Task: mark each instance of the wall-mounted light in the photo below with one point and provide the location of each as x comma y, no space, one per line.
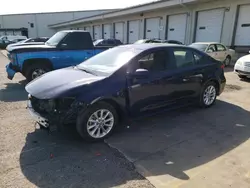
31,24
141,14
227,9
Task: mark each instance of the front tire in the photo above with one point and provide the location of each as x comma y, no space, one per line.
97,122
208,95
36,70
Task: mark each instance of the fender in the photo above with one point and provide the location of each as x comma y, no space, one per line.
118,103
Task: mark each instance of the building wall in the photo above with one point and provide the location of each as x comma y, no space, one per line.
228,28
42,20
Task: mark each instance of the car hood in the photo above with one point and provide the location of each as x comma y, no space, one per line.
10,47
31,48
56,83
245,58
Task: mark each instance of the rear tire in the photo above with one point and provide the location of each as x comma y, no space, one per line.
97,122
208,95
36,70
227,61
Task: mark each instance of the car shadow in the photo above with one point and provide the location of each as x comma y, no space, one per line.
181,140
245,80
62,159
13,92
229,68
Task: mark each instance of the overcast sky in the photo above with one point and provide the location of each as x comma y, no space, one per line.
31,6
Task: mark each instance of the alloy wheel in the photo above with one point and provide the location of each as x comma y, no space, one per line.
100,123
209,95
38,72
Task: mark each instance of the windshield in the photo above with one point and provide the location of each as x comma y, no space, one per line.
56,38
97,41
201,47
109,61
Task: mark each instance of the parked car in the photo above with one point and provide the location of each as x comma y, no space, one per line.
17,41
64,49
12,37
242,66
29,41
4,43
173,42
127,81
142,41
216,50
107,42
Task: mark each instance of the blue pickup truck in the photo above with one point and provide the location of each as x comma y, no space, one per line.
64,49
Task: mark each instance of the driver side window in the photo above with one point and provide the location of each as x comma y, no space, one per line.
155,61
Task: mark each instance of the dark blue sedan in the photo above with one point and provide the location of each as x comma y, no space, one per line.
124,82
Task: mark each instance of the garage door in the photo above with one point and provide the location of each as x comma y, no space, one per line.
134,31
153,28
177,27
242,36
88,29
107,31
209,25
97,32
119,31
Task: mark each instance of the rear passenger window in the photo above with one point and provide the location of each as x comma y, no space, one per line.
156,61
184,58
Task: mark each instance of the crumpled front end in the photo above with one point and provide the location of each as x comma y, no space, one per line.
53,114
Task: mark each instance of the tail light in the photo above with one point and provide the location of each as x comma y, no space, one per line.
222,66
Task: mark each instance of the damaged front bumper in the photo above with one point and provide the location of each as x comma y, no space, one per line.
37,117
56,119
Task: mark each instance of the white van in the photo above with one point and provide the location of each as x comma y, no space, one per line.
12,37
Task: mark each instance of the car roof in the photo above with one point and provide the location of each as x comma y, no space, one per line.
147,46
206,43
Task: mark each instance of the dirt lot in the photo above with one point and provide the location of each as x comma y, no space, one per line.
185,148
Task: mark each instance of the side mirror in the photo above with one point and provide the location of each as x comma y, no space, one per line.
139,73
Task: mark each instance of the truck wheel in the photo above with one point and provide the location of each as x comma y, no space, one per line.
36,70
97,122
227,61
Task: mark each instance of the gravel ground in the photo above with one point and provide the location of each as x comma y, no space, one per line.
31,157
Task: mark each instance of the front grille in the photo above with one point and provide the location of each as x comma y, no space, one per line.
247,64
43,106
51,105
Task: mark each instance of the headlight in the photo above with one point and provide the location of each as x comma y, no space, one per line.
12,58
239,62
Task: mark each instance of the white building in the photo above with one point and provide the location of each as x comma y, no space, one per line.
226,21
37,23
